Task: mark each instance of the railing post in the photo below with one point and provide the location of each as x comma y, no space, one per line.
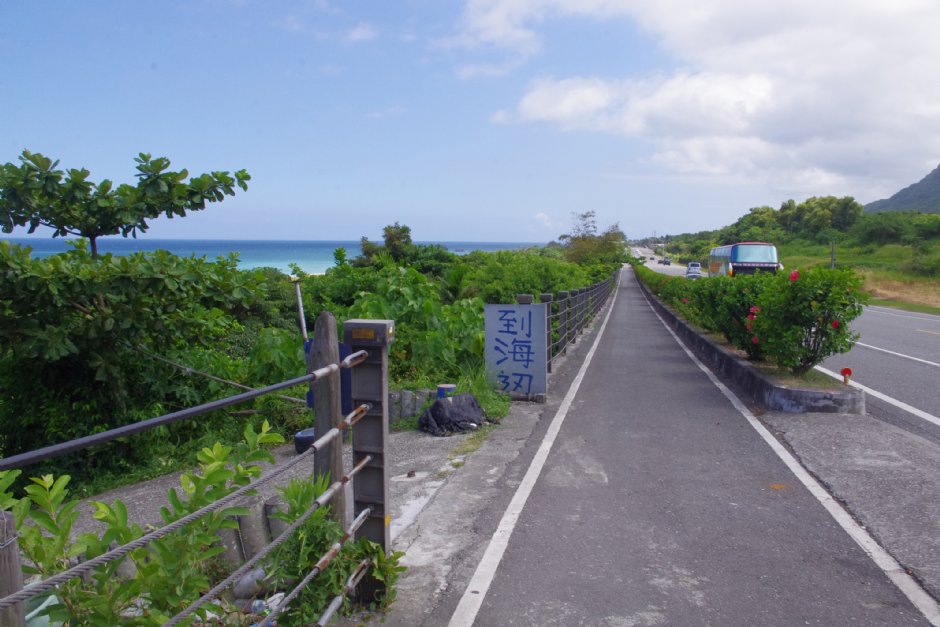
582,309
563,321
370,436
326,408
547,299
524,299
11,573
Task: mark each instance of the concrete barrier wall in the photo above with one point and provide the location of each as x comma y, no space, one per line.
758,386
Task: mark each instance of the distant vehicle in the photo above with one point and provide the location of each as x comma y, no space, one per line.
743,258
693,270
667,261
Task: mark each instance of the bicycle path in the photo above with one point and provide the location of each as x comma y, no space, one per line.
659,504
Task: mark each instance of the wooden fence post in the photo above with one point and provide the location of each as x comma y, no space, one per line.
11,573
326,407
547,299
563,321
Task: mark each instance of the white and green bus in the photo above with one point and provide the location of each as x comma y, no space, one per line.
743,258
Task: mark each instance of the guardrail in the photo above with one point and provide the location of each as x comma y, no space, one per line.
369,340
568,313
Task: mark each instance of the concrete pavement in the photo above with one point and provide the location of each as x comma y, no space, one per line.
659,504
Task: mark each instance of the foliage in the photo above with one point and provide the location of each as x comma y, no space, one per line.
37,194
169,574
584,246
499,276
294,559
71,327
431,336
398,249
797,319
804,316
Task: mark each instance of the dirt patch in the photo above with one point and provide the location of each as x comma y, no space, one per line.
921,292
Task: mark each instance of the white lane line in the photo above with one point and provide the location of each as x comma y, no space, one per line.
905,583
885,350
897,314
926,331
891,401
472,598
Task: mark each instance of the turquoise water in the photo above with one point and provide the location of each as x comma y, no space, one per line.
313,257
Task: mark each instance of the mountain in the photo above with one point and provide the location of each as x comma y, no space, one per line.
923,196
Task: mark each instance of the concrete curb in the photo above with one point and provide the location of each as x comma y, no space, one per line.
752,381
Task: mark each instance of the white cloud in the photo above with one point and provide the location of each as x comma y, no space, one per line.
360,32
544,220
814,96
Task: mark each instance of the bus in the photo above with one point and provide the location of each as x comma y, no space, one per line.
743,258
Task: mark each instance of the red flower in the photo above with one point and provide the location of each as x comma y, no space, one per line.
684,300
751,316
754,339
794,275
755,309
846,372
835,324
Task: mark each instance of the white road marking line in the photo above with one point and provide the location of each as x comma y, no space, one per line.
926,331
895,312
472,598
891,401
885,350
905,583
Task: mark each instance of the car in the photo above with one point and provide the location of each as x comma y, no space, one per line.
693,266
667,261
693,275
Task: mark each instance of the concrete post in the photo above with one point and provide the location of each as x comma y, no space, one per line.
326,407
370,436
524,299
547,299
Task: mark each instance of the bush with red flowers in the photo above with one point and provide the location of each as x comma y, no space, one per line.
804,316
796,320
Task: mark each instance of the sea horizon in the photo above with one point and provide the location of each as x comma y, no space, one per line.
311,256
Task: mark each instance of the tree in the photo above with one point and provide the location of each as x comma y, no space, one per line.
36,194
397,240
583,245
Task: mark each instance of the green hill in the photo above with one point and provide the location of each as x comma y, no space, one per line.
923,196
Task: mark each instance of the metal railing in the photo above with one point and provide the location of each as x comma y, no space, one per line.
369,340
569,313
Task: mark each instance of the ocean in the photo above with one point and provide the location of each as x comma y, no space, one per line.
313,257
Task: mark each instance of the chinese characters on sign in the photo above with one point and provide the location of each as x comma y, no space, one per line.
516,351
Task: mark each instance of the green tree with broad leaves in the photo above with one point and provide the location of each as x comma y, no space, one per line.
36,193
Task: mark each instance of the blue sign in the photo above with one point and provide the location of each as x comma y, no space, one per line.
516,348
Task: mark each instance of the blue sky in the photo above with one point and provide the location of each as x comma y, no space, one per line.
487,120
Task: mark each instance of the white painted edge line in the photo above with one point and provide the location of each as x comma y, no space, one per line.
473,596
905,583
902,314
885,350
920,413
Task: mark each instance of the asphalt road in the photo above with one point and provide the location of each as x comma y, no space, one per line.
660,504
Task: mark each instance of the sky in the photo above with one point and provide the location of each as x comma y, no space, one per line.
480,120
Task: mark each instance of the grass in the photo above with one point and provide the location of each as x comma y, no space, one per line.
882,269
472,442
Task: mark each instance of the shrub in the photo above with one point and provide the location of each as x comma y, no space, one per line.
805,315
